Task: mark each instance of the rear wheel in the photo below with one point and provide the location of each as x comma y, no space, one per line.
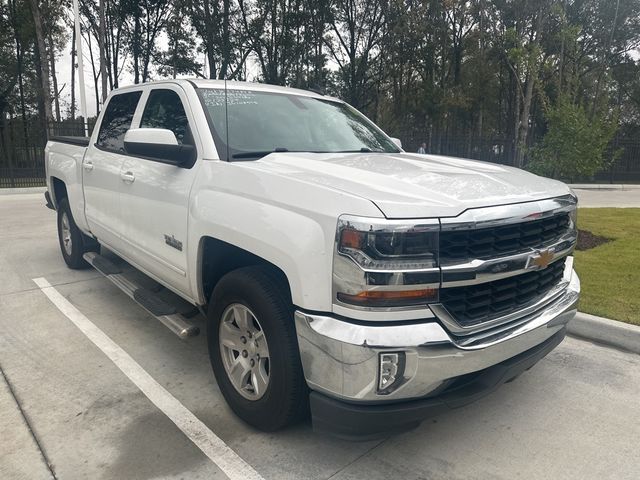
253,348
73,243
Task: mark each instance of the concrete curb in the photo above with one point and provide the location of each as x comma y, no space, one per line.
604,186
607,332
14,191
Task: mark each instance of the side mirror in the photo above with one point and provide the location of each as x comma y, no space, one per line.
397,141
158,144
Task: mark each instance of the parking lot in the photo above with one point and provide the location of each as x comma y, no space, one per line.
68,411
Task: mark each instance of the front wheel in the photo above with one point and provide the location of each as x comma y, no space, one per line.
73,243
253,348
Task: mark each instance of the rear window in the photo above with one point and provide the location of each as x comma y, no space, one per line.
117,120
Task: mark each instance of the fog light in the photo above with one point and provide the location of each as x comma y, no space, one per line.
390,372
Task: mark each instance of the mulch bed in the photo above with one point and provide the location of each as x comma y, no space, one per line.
587,240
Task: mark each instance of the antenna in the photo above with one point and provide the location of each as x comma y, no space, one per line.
226,115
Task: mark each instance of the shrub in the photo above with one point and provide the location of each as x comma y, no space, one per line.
575,143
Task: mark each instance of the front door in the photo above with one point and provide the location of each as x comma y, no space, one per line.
155,199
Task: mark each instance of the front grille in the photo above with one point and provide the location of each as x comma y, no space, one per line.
475,304
501,241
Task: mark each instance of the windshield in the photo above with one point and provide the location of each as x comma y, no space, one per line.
264,122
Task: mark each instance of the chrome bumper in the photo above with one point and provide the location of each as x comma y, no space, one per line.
341,359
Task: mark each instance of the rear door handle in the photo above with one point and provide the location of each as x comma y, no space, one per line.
88,166
127,177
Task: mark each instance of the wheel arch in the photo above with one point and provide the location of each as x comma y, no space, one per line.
216,258
59,191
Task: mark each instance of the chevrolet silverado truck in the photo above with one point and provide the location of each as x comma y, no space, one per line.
338,275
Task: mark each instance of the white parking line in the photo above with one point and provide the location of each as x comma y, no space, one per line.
211,445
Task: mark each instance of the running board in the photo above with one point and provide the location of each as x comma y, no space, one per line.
147,299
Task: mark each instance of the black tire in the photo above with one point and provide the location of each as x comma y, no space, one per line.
79,243
264,291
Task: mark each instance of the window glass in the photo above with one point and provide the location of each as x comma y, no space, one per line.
117,120
165,110
256,123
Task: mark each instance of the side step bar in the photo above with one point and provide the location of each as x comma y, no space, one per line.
157,307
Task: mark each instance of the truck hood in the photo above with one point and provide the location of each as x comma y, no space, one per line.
408,185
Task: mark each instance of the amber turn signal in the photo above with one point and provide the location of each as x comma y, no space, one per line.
389,298
352,239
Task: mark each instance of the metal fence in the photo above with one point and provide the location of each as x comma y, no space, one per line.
22,151
625,169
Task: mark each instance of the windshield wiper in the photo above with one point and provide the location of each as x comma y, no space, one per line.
259,153
362,150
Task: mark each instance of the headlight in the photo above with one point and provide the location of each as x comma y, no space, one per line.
385,263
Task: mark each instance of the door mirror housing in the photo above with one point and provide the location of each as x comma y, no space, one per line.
158,144
397,142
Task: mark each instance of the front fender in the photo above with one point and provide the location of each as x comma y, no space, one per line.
300,246
287,223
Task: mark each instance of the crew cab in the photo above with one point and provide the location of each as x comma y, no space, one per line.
338,274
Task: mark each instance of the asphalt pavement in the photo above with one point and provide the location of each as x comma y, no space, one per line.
67,411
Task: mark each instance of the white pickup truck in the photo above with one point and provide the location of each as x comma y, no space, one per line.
338,274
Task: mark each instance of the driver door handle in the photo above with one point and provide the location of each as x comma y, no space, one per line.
127,177
88,166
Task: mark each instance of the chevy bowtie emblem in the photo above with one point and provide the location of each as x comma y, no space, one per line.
541,260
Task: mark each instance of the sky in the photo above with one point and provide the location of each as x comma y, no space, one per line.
63,70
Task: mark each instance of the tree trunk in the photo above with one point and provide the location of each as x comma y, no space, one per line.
522,130
114,48
42,116
226,49
72,108
605,62
108,21
523,124
20,66
95,73
102,46
54,78
44,87
136,48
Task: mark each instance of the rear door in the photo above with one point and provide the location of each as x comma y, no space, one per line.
102,167
155,202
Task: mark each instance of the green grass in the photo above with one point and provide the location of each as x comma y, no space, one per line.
610,273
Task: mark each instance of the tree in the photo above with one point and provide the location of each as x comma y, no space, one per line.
269,26
102,45
357,27
42,61
117,16
575,144
149,18
214,21
179,57
523,56
478,78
